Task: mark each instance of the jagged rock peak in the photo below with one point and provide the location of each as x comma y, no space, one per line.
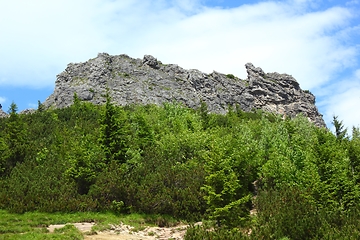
148,80
253,71
151,61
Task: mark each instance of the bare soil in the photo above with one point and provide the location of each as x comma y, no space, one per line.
123,231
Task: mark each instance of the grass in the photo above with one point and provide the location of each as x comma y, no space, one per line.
33,225
67,232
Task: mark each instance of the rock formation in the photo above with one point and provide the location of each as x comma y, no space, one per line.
25,111
147,80
28,111
3,114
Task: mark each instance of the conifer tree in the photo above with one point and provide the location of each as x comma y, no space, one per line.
113,132
15,139
203,110
223,191
3,157
41,107
340,132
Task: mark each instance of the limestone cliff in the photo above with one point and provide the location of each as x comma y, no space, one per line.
147,80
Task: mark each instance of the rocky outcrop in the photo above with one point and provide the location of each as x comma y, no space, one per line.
28,111
25,111
3,114
147,80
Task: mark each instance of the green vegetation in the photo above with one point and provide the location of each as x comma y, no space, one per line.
188,164
33,225
120,74
231,76
246,82
165,88
76,81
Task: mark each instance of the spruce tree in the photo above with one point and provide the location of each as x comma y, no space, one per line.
113,132
340,132
15,138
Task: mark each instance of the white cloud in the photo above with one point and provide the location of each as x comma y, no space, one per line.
352,2
43,36
33,105
269,35
357,74
2,100
39,35
344,102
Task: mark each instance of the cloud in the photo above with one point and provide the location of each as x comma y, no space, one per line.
2,100
352,2
344,101
267,34
33,105
42,37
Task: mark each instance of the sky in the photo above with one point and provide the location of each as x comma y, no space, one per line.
315,41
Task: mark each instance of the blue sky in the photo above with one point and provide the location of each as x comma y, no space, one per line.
316,41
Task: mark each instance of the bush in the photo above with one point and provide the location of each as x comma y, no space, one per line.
292,213
231,76
202,233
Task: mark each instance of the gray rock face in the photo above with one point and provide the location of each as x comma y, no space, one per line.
28,111
148,81
3,114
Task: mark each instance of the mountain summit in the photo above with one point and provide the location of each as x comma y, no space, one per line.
149,81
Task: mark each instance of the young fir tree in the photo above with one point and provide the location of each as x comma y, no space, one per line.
15,139
113,132
41,107
227,204
340,132
3,157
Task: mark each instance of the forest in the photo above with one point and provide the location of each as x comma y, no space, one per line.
246,175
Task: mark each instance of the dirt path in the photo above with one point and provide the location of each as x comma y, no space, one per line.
111,236
83,227
123,231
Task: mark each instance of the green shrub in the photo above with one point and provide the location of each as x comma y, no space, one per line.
231,76
202,233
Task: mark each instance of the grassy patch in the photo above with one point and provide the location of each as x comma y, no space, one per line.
67,232
33,225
